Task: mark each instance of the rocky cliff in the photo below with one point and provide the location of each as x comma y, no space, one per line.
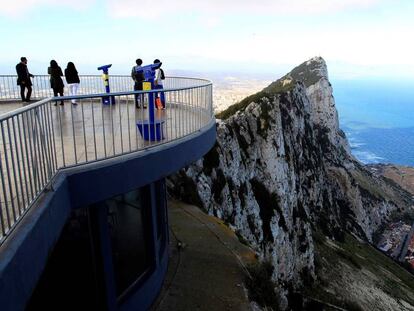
281,173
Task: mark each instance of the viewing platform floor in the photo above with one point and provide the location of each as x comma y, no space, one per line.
65,135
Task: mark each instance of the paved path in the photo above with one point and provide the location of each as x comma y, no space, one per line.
206,273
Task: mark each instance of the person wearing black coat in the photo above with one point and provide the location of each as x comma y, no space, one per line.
72,78
56,82
23,79
138,79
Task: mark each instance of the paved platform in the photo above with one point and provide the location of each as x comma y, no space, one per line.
7,106
39,142
206,269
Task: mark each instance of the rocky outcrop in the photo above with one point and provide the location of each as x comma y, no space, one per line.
281,170
314,75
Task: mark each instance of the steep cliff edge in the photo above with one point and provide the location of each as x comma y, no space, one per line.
281,172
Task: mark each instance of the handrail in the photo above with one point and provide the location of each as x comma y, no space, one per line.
38,140
89,84
9,114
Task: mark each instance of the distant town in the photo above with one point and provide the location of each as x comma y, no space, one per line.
397,241
230,90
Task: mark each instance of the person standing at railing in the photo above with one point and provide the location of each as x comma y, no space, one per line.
138,79
56,82
158,82
72,78
23,79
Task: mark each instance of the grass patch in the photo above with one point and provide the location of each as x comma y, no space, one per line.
269,92
393,279
407,216
241,106
322,300
308,73
367,187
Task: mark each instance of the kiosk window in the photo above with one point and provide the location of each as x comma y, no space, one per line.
127,218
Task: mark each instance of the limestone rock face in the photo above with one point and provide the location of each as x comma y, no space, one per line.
281,168
314,73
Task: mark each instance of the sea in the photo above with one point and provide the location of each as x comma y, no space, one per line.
377,117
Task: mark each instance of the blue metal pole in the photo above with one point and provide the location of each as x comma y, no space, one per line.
150,129
151,104
105,76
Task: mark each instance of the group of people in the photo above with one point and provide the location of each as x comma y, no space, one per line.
139,79
56,82
73,81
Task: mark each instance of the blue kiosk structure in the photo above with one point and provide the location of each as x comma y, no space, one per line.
151,129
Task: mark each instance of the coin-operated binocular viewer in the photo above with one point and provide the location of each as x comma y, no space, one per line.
151,129
107,100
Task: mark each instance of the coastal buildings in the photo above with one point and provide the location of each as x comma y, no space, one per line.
397,241
230,90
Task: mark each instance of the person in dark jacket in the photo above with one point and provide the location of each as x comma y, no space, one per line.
72,78
23,79
138,79
56,82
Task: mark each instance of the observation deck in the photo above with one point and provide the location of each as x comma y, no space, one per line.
60,162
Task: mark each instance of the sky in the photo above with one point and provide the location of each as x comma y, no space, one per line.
357,38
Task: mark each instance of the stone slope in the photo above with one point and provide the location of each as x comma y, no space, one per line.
355,276
281,169
402,175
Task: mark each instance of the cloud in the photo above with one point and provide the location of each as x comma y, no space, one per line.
353,49
16,8
152,9
149,9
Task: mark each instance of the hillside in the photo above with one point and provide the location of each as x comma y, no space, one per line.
282,177
402,175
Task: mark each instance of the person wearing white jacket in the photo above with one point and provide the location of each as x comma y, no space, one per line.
158,82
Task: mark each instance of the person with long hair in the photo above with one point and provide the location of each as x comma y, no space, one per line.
56,82
72,78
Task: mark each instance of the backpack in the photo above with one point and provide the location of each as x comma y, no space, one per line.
137,76
162,74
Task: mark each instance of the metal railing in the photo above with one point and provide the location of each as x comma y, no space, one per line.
38,140
89,84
